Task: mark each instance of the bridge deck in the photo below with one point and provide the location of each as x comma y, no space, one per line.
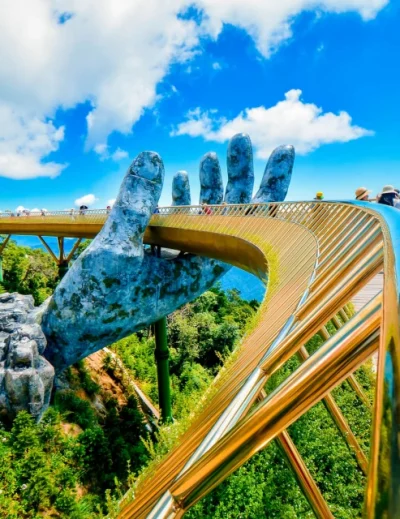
316,256
368,292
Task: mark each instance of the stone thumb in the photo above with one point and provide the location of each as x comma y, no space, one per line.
137,199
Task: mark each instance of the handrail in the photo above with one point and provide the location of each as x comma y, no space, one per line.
316,256
233,437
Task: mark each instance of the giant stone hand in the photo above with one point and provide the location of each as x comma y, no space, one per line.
114,288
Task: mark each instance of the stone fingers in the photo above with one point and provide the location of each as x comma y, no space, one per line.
181,189
137,199
277,176
240,170
212,189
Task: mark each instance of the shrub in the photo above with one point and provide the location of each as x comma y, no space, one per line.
76,409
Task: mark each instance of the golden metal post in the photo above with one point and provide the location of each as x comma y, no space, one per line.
313,257
303,476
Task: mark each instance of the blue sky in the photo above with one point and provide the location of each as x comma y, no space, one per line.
85,95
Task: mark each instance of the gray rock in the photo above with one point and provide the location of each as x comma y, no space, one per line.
20,354
3,337
31,331
26,378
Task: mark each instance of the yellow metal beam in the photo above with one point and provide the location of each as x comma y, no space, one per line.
314,258
4,243
49,249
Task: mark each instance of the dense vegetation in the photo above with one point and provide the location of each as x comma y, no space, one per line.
200,336
28,271
88,448
265,485
53,469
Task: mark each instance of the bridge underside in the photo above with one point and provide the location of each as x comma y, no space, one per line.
314,257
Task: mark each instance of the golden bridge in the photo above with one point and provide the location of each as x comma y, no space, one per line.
314,257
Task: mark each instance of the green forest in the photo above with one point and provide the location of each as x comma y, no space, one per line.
93,443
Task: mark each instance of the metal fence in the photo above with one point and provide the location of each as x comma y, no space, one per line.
317,256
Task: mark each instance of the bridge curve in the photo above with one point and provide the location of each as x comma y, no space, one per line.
317,256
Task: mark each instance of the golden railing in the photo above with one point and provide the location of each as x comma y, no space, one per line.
314,258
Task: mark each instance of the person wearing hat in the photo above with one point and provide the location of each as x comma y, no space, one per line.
388,196
319,195
362,193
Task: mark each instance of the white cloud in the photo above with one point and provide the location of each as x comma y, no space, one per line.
291,121
119,154
113,54
101,149
104,152
86,200
216,65
24,141
111,202
269,22
21,208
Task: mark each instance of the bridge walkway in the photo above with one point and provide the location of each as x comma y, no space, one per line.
368,292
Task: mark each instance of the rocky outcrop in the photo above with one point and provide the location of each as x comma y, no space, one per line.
26,377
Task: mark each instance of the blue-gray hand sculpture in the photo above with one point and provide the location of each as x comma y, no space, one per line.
114,288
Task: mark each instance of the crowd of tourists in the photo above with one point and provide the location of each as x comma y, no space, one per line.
43,212
388,196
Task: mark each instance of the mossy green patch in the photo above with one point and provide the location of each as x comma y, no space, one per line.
109,282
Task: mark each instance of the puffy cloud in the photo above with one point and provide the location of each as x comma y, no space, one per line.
24,140
104,152
111,202
290,121
119,154
269,22
112,54
86,200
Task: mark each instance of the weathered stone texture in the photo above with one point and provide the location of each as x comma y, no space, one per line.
181,189
241,170
26,378
277,175
212,188
114,289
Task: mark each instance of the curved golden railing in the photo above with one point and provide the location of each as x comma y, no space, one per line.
316,256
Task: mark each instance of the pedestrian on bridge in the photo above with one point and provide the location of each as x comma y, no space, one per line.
388,196
362,193
206,209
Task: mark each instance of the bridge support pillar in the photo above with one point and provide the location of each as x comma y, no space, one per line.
162,358
62,268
